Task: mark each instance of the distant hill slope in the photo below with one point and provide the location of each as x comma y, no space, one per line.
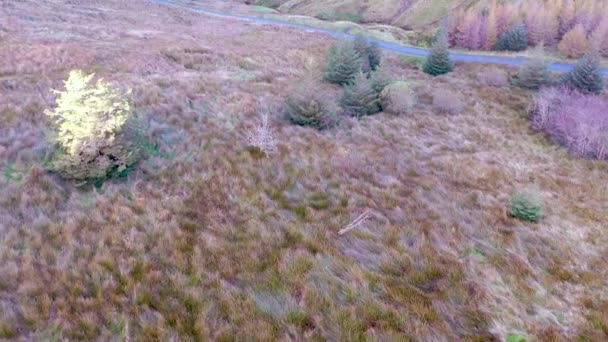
414,14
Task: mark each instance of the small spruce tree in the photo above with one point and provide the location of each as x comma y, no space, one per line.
534,73
343,64
374,55
438,61
359,99
96,133
587,75
306,105
516,39
371,55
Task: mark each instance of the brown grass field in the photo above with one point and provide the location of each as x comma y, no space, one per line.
209,240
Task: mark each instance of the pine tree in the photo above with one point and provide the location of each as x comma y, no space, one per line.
307,105
360,44
343,65
370,53
516,39
95,130
359,99
534,73
587,75
374,54
438,61
574,44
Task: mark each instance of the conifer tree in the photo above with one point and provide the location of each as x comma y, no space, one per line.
359,98
370,53
374,54
587,75
344,63
516,39
438,61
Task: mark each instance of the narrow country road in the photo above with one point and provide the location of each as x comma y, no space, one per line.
392,47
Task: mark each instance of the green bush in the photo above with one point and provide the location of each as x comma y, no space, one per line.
359,99
343,63
398,98
306,105
96,133
516,39
587,75
438,61
526,206
371,55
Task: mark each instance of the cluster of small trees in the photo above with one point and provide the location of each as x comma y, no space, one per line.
572,26
585,77
356,67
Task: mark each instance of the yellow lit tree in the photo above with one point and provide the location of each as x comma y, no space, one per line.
94,128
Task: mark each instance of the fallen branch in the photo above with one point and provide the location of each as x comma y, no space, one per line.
355,223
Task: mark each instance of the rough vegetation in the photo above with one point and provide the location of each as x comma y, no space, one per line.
209,239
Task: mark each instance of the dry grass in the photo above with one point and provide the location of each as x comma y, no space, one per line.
207,240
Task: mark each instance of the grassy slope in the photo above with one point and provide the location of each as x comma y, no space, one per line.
206,240
419,14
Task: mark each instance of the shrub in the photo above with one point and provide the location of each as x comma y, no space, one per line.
370,53
343,64
574,44
382,77
574,120
95,129
438,61
516,39
526,206
398,98
263,137
493,77
359,99
307,106
587,75
534,72
447,102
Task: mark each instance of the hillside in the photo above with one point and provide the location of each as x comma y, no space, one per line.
208,238
407,14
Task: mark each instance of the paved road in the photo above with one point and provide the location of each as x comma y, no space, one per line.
399,49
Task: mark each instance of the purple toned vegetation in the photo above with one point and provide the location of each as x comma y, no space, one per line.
577,121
